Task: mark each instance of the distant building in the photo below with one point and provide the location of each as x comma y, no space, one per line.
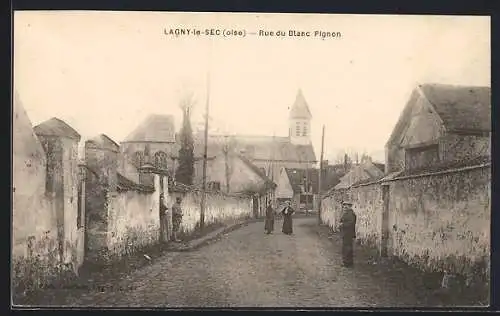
301,186
155,141
441,124
271,153
366,171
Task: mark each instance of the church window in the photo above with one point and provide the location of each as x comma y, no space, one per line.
304,130
160,160
138,159
297,129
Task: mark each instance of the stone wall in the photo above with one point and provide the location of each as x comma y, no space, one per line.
368,206
47,242
220,209
331,209
34,223
120,220
133,221
436,222
442,221
462,147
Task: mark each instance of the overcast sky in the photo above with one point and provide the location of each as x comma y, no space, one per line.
103,72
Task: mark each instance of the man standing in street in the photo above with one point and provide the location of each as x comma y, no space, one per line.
348,232
176,218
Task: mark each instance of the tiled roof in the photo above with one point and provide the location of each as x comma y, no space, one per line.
56,127
104,142
461,107
300,109
125,184
155,128
256,147
359,173
268,183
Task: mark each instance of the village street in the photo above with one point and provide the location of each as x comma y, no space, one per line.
247,268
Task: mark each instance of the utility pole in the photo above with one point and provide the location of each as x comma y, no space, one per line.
205,153
320,173
205,150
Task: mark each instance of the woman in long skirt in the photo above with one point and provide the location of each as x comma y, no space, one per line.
269,225
287,219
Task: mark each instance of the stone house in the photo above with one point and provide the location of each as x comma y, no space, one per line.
47,232
364,172
432,209
440,124
154,142
233,173
299,186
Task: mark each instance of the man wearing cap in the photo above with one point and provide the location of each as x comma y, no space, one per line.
348,232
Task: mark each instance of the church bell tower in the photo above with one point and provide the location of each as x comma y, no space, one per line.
299,119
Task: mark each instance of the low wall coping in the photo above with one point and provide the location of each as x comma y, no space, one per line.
454,170
421,175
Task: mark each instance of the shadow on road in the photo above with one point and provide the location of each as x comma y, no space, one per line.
425,286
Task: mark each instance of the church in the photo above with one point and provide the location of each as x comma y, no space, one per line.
155,141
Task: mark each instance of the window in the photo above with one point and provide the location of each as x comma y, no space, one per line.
304,130
138,159
297,129
421,157
160,159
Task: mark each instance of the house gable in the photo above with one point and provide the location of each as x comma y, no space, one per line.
284,189
423,125
244,178
241,174
360,174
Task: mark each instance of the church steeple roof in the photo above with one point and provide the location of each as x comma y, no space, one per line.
300,109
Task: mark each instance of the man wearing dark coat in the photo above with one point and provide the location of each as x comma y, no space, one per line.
348,232
269,224
287,219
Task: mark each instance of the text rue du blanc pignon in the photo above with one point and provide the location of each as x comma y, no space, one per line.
223,32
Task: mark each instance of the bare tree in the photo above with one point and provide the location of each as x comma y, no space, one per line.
185,169
187,102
